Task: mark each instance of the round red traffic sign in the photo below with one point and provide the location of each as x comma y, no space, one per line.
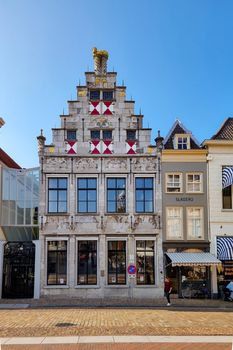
132,269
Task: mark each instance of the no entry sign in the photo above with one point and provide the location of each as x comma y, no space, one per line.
132,269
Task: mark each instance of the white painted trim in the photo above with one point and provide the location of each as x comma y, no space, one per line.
54,176
37,270
61,238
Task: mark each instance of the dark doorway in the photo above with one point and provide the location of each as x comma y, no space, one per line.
18,270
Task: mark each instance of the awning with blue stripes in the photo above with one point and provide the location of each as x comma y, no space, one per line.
225,248
227,176
193,259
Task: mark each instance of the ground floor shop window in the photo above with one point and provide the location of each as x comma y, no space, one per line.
57,263
190,281
194,282
87,262
145,262
116,262
225,275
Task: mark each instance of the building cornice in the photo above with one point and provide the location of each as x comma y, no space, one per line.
218,143
190,155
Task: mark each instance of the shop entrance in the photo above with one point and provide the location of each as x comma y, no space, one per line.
190,281
18,270
194,282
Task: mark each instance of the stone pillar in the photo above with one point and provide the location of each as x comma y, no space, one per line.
214,283
41,143
102,263
131,261
71,262
37,269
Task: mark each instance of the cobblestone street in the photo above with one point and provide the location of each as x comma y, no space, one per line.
118,321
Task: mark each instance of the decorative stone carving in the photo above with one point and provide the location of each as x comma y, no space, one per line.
150,164
86,219
141,220
100,61
100,122
144,164
85,164
57,164
116,224
58,223
115,164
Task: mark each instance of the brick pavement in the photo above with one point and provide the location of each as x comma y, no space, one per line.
94,322
144,346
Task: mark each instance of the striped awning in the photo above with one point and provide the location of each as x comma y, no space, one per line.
193,259
225,248
227,176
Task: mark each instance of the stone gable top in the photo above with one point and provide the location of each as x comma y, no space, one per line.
179,128
225,132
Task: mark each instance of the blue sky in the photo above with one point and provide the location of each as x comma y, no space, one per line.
175,57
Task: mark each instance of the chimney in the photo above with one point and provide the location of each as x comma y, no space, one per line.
100,61
159,141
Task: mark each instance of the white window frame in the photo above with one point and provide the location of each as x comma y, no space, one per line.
170,236
86,176
173,183
56,176
193,182
138,176
182,136
113,176
191,223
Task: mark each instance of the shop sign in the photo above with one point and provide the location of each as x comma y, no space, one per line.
228,270
184,199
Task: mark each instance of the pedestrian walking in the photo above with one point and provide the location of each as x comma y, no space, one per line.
167,290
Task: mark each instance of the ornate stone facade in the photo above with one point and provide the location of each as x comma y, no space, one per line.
100,200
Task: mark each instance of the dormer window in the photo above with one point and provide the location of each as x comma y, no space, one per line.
182,141
131,135
95,95
108,95
71,135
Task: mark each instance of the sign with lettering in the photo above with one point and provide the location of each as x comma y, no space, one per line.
228,270
184,199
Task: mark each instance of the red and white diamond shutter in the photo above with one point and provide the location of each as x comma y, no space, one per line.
107,147
131,147
71,147
95,108
107,108
95,147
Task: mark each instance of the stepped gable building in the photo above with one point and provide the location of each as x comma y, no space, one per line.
100,199
220,178
185,214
